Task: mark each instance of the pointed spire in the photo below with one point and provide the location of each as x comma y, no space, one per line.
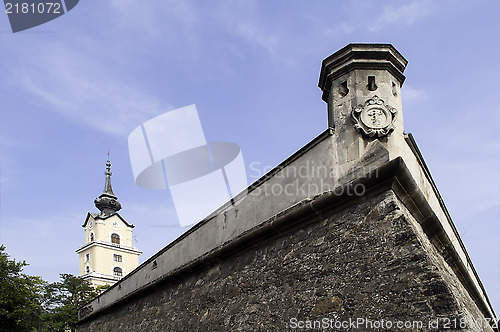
107,184
107,203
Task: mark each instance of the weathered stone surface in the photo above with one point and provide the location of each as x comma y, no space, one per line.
370,260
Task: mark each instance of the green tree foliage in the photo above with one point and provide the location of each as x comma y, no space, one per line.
102,288
20,296
28,303
63,299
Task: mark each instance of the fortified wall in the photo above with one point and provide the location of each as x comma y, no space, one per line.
349,233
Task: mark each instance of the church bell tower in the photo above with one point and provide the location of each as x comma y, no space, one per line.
108,253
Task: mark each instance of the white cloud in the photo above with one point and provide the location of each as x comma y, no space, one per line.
341,29
243,19
413,97
152,17
406,14
253,32
84,90
181,21
33,239
411,94
153,214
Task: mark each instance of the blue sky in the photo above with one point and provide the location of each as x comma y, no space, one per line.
74,88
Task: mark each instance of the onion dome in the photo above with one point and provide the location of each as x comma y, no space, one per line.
107,203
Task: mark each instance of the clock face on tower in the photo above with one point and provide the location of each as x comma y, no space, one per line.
91,224
115,224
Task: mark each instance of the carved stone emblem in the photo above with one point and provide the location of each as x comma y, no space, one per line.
374,118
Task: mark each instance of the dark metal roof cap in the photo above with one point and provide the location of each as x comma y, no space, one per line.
107,203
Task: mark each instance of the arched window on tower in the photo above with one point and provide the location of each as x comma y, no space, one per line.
115,238
91,237
87,269
117,272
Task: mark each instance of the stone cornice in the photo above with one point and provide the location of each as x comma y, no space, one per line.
109,245
361,56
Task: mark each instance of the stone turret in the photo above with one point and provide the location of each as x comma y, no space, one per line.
361,84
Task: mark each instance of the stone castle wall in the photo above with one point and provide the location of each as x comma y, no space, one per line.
366,261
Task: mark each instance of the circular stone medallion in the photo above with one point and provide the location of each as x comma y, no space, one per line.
375,117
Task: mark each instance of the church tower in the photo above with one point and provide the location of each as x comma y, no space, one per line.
108,253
